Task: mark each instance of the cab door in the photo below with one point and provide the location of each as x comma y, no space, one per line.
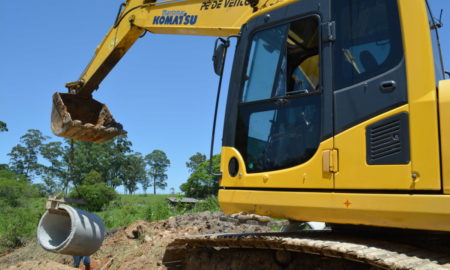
371,114
279,121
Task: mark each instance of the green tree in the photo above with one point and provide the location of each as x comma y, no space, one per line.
158,163
92,178
195,161
96,195
57,174
118,160
72,162
14,189
84,157
201,183
108,159
3,126
24,156
8,174
49,186
133,172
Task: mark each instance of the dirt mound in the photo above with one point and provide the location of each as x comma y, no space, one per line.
138,246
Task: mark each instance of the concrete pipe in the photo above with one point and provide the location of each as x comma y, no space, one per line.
71,231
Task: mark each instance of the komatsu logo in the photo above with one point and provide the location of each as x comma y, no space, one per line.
175,17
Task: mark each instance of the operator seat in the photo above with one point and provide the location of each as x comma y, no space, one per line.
368,61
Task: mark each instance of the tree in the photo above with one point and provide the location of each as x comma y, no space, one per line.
107,158
14,189
84,157
158,163
137,170
112,162
24,156
3,127
8,174
96,195
133,172
201,183
50,186
117,152
195,161
57,174
4,167
92,178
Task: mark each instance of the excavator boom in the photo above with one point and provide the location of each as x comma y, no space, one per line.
78,116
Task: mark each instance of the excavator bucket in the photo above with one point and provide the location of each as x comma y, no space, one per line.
83,119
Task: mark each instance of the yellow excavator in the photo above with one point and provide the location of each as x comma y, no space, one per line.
337,112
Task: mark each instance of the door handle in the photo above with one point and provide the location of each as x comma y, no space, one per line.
388,86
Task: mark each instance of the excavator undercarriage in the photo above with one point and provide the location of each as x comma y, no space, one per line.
310,250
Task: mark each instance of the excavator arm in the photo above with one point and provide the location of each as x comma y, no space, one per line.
77,115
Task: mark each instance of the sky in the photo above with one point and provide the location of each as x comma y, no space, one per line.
163,90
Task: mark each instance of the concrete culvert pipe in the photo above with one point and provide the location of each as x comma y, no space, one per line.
70,231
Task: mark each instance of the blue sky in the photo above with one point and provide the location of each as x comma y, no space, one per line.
163,91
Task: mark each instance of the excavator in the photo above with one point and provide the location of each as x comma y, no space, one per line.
338,111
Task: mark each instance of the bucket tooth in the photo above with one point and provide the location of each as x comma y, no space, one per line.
83,119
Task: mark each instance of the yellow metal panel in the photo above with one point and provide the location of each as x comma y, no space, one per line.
202,17
307,175
421,93
387,210
444,117
355,173
194,19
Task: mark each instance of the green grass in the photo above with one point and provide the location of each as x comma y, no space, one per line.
129,208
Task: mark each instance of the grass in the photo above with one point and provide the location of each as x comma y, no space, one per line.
129,208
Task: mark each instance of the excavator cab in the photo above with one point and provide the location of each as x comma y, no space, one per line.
83,118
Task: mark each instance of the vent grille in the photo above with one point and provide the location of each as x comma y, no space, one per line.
388,141
385,140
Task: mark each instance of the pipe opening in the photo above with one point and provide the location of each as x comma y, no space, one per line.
54,229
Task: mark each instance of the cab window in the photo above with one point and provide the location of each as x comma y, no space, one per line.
368,40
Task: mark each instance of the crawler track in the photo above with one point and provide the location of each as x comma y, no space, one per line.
305,250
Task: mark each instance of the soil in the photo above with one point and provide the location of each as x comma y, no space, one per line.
138,246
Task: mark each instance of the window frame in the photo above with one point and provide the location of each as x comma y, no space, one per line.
247,57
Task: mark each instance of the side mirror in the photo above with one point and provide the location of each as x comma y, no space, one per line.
220,52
